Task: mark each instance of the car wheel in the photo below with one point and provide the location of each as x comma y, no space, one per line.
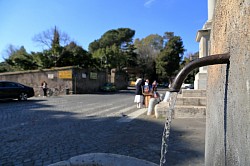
23,96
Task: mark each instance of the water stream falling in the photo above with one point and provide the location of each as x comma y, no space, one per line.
166,132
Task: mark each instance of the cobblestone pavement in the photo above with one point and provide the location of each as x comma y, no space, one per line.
44,131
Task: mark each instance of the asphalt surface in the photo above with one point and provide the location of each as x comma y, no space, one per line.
44,134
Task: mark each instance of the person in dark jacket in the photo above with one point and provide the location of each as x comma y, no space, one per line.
138,93
44,87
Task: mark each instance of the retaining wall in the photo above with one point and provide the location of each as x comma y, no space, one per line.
80,81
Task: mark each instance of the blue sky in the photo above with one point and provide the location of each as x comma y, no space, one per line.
87,20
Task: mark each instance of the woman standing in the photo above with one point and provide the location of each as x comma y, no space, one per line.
44,87
138,93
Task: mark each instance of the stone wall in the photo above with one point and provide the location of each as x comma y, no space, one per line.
80,82
82,85
34,78
228,89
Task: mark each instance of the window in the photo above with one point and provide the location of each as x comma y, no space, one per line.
10,84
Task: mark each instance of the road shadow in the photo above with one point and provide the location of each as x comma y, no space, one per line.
186,142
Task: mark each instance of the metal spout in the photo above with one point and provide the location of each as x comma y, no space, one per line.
205,61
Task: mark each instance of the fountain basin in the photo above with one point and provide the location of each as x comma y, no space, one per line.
103,159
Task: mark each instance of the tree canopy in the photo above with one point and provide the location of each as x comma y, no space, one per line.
168,61
56,55
157,57
119,37
21,60
148,49
189,57
114,48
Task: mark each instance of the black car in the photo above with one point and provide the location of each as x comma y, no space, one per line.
14,90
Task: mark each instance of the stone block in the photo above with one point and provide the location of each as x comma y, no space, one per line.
161,109
190,112
193,93
195,101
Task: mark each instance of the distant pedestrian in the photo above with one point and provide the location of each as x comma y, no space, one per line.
146,87
146,90
44,86
154,86
138,93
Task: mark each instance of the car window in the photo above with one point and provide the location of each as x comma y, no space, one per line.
1,84
19,85
10,84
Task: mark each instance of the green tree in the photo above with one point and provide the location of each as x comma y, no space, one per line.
53,42
148,49
131,56
168,61
74,55
43,59
187,59
4,67
21,60
56,48
119,37
56,55
59,55
113,48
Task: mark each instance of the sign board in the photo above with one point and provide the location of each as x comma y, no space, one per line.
50,76
84,75
66,74
93,75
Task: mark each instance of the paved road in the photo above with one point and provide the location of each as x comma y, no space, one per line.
42,131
